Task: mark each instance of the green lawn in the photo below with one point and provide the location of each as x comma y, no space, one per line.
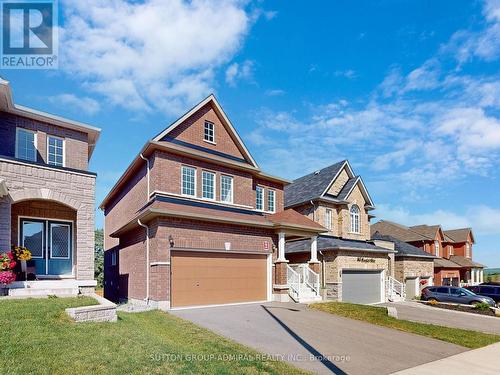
378,316
38,337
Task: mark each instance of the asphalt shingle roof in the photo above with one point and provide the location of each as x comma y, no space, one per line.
311,186
403,248
465,262
398,231
347,188
457,235
445,263
333,243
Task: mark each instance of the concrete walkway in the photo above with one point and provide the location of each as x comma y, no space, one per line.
484,361
418,312
320,342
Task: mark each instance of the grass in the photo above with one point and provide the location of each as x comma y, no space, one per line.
378,316
38,337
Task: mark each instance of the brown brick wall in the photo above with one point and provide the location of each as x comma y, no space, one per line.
408,267
440,274
192,131
76,142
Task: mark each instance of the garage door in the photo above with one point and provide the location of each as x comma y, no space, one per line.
361,286
217,278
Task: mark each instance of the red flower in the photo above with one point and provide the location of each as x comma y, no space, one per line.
10,255
12,264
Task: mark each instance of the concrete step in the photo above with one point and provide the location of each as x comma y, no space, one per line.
43,292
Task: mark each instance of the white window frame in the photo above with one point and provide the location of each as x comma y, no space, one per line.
436,248
222,177
450,251
35,143
63,150
182,181
467,250
273,194
355,218
262,192
50,225
328,218
214,186
205,132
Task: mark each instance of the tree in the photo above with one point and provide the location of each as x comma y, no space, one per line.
99,258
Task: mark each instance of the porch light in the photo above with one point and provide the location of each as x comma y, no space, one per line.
171,241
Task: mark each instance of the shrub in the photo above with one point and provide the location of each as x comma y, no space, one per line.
7,277
481,306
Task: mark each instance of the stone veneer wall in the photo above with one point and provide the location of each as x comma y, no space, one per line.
74,189
409,267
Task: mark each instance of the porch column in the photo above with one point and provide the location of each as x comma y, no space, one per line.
5,229
281,247
481,276
472,276
314,263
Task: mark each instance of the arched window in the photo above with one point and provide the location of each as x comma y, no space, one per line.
355,224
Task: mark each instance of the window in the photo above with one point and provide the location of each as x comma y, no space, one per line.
443,290
226,189
271,198
328,219
189,181
436,248
25,144
355,227
113,257
208,185
450,251
259,198
467,250
209,132
55,151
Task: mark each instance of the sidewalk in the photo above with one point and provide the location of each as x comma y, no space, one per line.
417,312
482,361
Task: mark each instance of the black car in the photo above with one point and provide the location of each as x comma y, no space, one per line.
488,290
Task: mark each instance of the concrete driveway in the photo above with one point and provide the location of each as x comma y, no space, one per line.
317,341
418,312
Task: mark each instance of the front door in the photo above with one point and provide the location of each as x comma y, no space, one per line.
50,243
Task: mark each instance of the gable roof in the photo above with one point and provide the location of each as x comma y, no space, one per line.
465,262
458,235
224,119
427,230
315,185
326,242
398,231
403,248
7,104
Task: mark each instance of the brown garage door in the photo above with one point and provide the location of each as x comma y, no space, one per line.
216,278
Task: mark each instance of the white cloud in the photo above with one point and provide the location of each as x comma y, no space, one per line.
482,219
239,72
84,104
349,73
151,54
275,92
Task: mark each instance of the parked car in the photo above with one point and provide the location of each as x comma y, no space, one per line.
488,290
454,294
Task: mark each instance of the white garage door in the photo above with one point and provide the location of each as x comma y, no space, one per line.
362,286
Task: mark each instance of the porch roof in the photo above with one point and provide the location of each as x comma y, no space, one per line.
334,243
465,262
445,263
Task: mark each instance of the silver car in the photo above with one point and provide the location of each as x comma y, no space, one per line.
455,295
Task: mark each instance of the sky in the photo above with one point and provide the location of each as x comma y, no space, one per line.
408,91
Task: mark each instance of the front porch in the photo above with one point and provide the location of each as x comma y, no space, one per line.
45,288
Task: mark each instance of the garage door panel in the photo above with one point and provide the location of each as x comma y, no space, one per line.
213,278
361,286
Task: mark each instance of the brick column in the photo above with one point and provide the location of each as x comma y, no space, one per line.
280,287
5,229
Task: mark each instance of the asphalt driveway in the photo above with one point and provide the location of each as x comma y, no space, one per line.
418,312
320,342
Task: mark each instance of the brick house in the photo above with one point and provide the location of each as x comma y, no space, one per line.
453,249
47,193
194,221
353,268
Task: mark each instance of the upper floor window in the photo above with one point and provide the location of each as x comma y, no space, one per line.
189,181
450,251
226,189
55,151
467,250
209,132
26,144
113,257
208,185
436,248
328,219
355,224
271,201
259,198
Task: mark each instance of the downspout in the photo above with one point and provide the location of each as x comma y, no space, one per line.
147,164
147,259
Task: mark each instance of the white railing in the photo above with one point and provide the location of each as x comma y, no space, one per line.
395,289
310,278
293,281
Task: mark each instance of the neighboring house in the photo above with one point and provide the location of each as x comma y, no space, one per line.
194,220
47,192
413,266
352,267
453,247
